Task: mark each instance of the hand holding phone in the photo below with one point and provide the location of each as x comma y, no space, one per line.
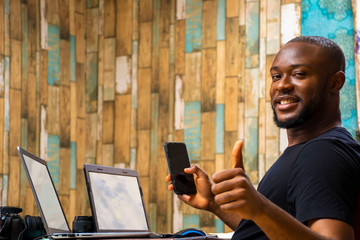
178,159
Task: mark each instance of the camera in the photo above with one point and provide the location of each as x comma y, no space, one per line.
13,227
83,224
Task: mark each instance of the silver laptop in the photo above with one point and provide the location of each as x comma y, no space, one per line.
50,207
116,199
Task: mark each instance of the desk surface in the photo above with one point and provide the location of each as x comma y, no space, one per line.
188,238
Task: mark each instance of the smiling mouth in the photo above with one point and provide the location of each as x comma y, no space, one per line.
287,101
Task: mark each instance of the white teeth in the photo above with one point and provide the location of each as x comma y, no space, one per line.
286,101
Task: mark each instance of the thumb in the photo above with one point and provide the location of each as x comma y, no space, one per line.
237,155
195,169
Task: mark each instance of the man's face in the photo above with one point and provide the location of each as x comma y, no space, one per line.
298,89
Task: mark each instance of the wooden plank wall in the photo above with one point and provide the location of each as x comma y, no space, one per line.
108,81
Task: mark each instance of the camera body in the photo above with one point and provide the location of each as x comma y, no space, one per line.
13,227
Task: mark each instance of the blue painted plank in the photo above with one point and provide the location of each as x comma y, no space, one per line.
219,226
53,55
220,23
73,165
72,58
252,35
193,25
7,6
219,128
54,158
192,132
191,221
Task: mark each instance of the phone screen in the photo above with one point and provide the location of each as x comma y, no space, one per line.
178,159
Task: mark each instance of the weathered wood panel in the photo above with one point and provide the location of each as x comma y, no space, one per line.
109,69
209,24
108,122
65,122
208,80
122,129
15,64
145,44
144,99
123,27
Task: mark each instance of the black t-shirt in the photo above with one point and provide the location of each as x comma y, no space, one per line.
312,180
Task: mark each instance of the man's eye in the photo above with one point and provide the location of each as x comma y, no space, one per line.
299,74
276,77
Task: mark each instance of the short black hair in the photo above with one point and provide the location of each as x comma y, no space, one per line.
333,50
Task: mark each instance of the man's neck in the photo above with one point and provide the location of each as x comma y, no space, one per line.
306,131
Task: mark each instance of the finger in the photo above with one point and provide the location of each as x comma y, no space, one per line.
184,197
237,160
170,187
168,178
229,182
227,174
230,196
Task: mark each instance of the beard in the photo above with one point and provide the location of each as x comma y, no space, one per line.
296,121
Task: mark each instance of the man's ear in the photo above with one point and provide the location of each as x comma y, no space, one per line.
337,81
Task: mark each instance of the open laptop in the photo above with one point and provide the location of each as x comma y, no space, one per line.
116,199
52,212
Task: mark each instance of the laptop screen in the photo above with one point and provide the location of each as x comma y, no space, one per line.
46,194
117,202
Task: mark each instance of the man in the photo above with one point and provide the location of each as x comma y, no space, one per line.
310,192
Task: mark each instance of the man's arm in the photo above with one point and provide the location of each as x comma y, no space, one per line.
235,193
278,224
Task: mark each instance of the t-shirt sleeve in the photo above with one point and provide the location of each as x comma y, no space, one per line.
321,184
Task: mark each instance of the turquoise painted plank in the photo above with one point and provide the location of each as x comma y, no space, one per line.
336,23
219,128
73,165
54,158
191,221
220,23
24,43
251,143
91,82
192,132
4,189
219,226
53,55
193,25
7,94
7,6
24,133
252,35
154,128
72,58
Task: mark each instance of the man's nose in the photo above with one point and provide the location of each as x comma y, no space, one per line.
285,84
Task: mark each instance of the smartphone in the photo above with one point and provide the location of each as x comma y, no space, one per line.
178,159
